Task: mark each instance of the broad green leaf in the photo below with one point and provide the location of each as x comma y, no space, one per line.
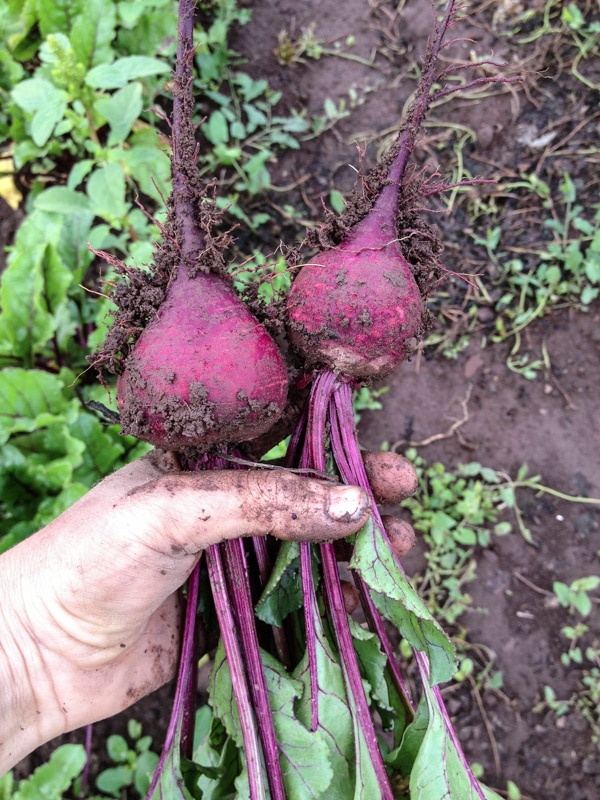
103,448
45,102
335,722
55,16
121,110
93,32
34,285
117,748
304,754
60,200
53,779
80,170
106,190
124,70
216,129
51,506
34,93
113,780
283,592
72,246
216,765
47,459
398,601
149,21
146,764
147,164
44,121
439,770
372,661
366,783
305,764
403,757
220,692
29,399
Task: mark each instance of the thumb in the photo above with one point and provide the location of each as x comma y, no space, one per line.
199,509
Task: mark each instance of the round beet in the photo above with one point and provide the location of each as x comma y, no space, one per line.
203,373
356,308
401,535
392,477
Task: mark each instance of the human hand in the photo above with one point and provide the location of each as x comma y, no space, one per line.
90,603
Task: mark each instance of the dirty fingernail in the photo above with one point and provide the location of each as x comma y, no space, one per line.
347,503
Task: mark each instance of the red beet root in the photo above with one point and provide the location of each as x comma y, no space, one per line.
203,373
355,307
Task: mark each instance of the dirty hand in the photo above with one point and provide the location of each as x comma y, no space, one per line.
90,613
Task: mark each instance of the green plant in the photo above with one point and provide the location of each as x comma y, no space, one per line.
575,596
585,699
52,780
245,135
134,763
76,90
575,34
367,399
456,512
565,272
307,45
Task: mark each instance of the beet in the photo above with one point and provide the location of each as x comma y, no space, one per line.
356,308
204,372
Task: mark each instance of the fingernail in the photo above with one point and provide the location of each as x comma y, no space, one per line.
347,503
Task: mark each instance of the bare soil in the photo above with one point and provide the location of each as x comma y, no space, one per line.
550,423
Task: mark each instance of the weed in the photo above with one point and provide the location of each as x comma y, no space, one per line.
52,780
367,399
574,596
566,272
456,512
585,699
134,763
573,32
245,136
296,50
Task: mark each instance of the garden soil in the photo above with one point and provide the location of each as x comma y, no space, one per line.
472,406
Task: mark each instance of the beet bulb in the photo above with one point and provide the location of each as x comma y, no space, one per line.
356,308
204,372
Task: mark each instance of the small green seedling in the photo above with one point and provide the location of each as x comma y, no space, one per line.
134,763
575,596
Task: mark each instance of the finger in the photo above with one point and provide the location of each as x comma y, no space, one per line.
196,510
401,535
391,476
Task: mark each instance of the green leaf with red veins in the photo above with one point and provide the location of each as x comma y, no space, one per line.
334,722
283,592
439,771
397,600
305,762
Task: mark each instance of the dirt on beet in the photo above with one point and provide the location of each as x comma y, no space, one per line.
471,407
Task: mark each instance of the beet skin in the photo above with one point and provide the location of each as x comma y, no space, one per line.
356,308
205,372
